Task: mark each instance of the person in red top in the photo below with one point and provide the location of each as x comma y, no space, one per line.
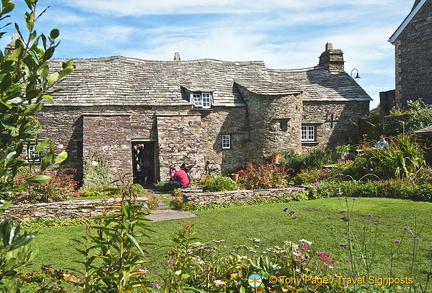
179,178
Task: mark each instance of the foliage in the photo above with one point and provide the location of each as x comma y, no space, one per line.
61,187
254,175
314,159
343,148
402,159
96,172
137,190
162,186
219,183
197,267
118,245
15,253
25,83
416,116
177,201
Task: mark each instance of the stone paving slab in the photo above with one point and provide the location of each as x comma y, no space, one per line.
168,214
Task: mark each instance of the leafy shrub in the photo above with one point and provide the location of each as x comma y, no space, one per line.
314,159
95,192
253,175
177,201
162,186
96,172
345,148
403,159
136,190
368,189
219,183
61,187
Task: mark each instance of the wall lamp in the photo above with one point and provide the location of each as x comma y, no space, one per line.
357,75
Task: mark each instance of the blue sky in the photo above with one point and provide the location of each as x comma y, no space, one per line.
282,33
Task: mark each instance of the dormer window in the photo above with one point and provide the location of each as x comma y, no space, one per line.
202,100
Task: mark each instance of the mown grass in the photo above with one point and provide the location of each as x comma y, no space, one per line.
376,224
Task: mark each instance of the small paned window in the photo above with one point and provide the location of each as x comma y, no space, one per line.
202,100
31,155
226,141
308,133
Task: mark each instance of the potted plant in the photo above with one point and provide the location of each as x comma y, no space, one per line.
275,158
343,152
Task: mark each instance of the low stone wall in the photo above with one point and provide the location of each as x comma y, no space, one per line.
66,209
191,196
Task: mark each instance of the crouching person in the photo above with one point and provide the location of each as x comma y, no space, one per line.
179,179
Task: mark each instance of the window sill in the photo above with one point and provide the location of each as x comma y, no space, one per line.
309,142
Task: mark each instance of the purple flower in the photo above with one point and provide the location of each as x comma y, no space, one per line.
339,193
375,223
292,212
304,246
342,211
354,198
344,218
370,215
294,217
170,260
343,245
285,209
144,271
397,241
156,286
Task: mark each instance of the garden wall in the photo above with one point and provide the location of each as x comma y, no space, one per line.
66,209
191,196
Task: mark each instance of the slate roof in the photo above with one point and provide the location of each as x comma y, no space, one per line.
130,81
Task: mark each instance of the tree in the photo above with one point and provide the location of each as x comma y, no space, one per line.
25,83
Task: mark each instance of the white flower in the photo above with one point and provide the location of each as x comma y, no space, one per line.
219,283
94,163
305,241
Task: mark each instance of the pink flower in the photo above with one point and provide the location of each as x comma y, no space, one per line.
170,260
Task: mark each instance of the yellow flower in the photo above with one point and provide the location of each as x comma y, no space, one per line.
233,276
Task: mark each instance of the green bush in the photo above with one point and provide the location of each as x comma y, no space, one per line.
314,159
96,172
219,183
62,186
403,159
255,175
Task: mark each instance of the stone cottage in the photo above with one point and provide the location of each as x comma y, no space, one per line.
211,113
413,47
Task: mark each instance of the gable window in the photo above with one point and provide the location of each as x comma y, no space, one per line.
202,100
308,133
226,141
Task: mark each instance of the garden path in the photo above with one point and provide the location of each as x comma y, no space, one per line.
165,213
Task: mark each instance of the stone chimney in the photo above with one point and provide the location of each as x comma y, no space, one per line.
177,56
11,46
332,59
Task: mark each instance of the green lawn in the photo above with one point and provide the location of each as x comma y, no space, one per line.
376,224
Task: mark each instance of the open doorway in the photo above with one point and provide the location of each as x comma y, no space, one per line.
143,162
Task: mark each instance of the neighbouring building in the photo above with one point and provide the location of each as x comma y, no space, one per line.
413,58
211,113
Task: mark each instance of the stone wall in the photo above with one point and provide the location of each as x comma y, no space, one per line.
205,198
66,209
336,122
414,59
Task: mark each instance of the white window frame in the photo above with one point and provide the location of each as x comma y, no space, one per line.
226,141
31,156
308,133
202,100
